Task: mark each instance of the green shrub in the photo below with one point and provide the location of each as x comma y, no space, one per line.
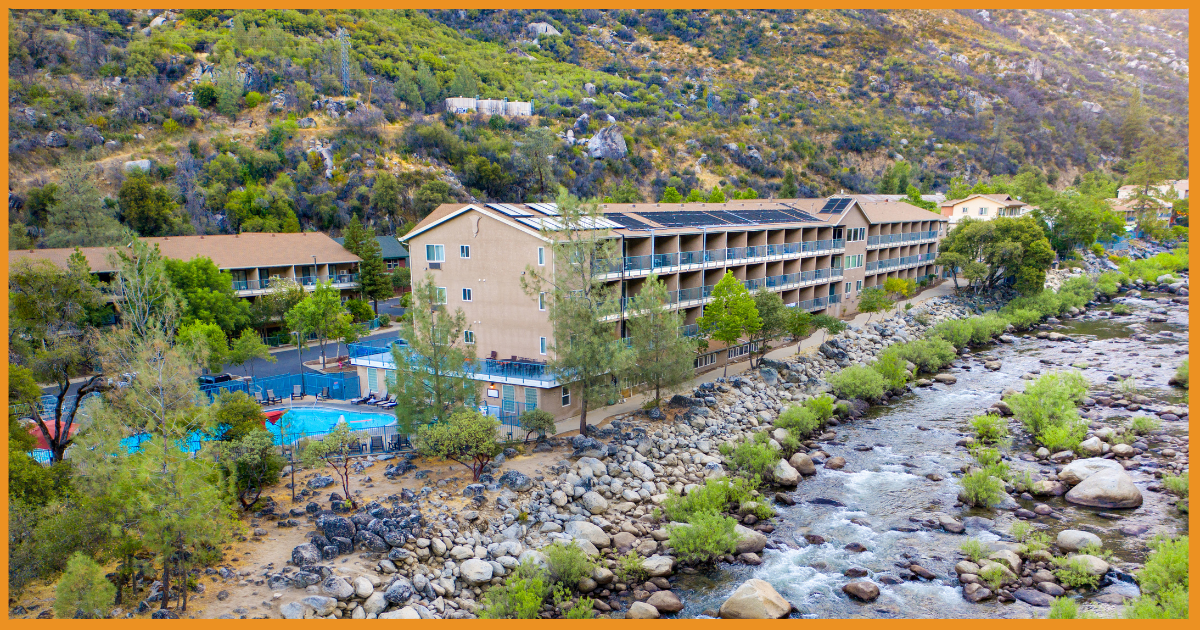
956,331
1109,283
1164,582
582,609
1063,437
929,355
986,328
1121,309
799,420
1020,531
821,406
205,94
995,576
1097,249
629,568
1047,409
1181,375
989,428
1076,292
1178,485
385,319
857,381
892,369
990,460
567,563
360,310
83,592
706,537
537,421
1142,425
751,458
980,488
253,99
714,496
519,597
1064,608
1024,318
1073,573
974,550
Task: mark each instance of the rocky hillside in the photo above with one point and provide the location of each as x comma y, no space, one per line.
687,99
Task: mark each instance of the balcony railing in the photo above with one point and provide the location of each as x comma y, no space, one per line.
304,281
715,257
906,237
754,284
903,261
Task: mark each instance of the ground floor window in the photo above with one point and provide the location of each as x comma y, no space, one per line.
566,396
705,360
531,398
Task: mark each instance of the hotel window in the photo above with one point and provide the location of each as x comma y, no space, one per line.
441,295
542,345
389,378
468,336
530,398
982,211
542,301
858,286
566,396
466,295
464,251
541,255
372,383
435,253
847,287
965,210
857,234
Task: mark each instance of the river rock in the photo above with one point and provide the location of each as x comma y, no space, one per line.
1008,558
306,555
401,590
1092,446
407,612
589,532
593,502
948,379
835,463
749,541
658,565
1073,540
784,474
1093,565
642,471
337,587
375,603
1106,489
975,592
755,599
862,590
642,610
1033,597
665,602
803,464
476,571
1081,469
321,606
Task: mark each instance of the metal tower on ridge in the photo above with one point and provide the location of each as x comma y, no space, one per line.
344,42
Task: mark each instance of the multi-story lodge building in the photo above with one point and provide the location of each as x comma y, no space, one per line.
819,254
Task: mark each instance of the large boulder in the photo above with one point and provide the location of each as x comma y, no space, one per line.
658,566
665,602
642,471
56,140
321,606
334,526
608,144
408,612
803,464
642,610
375,603
1074,540
476,571
749,541
306,555
1106,489
862,590
593,502
1093,565
145,166
784,474
589,532
1081,469
337,587
401,590
515,481
755,599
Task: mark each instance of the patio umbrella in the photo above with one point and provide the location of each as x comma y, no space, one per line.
273,416
41,438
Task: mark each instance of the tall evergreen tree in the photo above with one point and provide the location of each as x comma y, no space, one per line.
465,82
432,372
77,217
372,272
789,189
664,356
427,84
587,355
731,314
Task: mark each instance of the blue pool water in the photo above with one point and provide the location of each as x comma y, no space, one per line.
315,420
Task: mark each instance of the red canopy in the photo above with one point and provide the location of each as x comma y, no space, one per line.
273,416
41,438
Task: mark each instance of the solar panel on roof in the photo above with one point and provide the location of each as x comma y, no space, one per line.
540,223
685,219
509,209
835,204
625,221
549,209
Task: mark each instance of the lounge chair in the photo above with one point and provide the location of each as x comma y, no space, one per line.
297,392
390,404
355,448
391,398
324,395
376,443
259,398
394,443
363,400
272,398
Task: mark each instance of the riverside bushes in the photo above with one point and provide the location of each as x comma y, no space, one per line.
1164,582
1108,283
1047,409
567,564
956,331
752,458
519,597
714,496
929,355
981,488
858,381
892,369
1181,375
990,429
706,537
986,328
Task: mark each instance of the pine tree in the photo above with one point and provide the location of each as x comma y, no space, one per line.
717,196
732,313
427,84
538,148
665,357
77,217
587,355
671,195
465,83
229,87
694,196
372,272
789,190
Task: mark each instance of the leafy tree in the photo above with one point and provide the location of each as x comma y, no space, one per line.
627,192
537,421
913,197
895,179
250,463
1013,249
205,94
694,196
247,348
83,592
229,87
799,324
427,84
1071,221
717,196
899,289
78,218
272,307
334,451
304,95
467,437
732,313
538,147
874,300
670,195
204,343
828,323
429,196
433,371
789,189
774,316
320,313
587,353
401,278
385,195
664,355
207,293
49,334
150,302
406,89
235,415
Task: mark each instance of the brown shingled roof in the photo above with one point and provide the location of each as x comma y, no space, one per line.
227,251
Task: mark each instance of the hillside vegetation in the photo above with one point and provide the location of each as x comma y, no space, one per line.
249,122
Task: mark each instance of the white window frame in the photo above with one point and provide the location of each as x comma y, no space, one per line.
858,286
466,294
541,345
441,295
542,301
983,212
433,250
464,251
847,287
541,256
469,336
566,396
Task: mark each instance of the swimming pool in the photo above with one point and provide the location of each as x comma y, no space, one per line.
317,420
